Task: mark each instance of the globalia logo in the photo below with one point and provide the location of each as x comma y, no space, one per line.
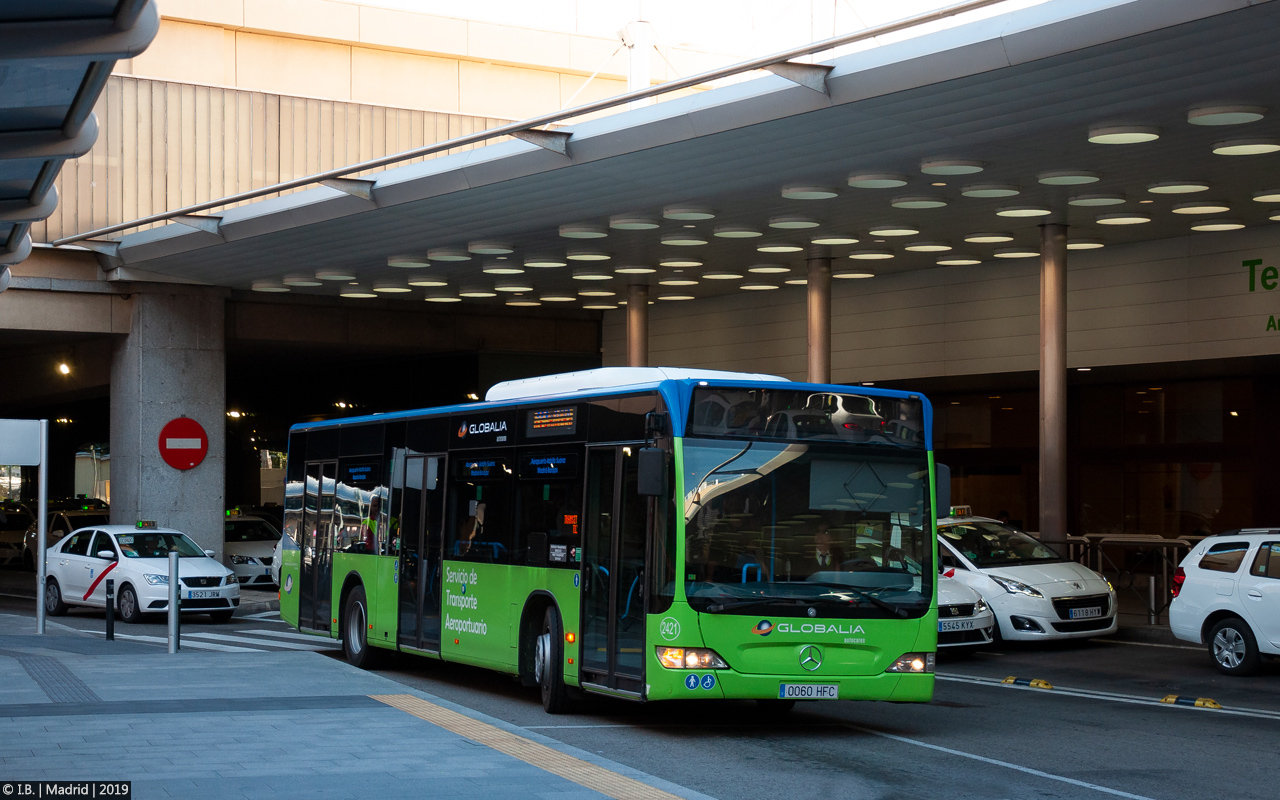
763,628
462,430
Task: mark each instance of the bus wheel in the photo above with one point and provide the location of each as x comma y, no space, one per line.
548,664
355,629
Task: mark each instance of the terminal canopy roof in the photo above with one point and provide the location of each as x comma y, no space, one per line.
1126,119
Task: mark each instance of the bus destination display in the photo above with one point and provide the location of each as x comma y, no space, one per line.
552,422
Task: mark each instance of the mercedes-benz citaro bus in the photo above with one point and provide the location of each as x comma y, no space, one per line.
643,533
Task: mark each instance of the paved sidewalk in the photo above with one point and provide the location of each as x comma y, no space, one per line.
264,725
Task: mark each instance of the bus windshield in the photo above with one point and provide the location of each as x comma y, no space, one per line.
806,415
806,530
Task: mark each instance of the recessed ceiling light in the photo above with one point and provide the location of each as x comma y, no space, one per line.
779,247
543,262
852,273
583,230
1265,196
989,238
674,296
1068,177
1225,115
490,247
523,301
477,291
1275,217
1178,187
513,285
990,190
1124,218
302,280
502,268
877,180
442,296
871,255
683,239
1218,225
958,261
408,262
1015,252
768,269
928,247
680,262
335,275
799,280
1088,200
633,222
950,166
599,306
591,275
427,280
1123,134
808,192
688,212
889,229
557,297
721,274
357,291
792,222
678,279
596,291
832,238
918,202
448,254
391,287
736,232
588,255
756,285
271,286
1084,244
1246,147
1145,202
1023,211
1201,207
634,269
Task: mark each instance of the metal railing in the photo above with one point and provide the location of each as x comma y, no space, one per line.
530,125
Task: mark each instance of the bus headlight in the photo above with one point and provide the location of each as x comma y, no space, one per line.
690,658
913,662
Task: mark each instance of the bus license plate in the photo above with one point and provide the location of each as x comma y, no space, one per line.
945,625
1086,613
195,595
809,691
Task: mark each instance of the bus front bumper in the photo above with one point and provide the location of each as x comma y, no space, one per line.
727,684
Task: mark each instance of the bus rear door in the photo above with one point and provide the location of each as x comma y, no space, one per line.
613,572
420,516
316,575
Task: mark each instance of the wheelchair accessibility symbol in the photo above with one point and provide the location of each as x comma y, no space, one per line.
708,681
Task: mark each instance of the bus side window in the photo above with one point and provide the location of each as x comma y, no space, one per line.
480,519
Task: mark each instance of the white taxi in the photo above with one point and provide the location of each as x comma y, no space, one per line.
964,618
1034,592
137,559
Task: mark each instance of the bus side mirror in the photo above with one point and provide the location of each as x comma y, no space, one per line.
942,479
651,478
655,424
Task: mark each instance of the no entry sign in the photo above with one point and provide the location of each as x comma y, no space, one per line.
183,443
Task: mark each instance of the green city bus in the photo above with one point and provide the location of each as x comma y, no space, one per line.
642,533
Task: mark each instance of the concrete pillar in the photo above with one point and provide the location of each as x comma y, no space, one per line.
1053,384
172,364
819,315
638,325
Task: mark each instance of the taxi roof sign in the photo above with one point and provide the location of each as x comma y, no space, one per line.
962,511
146,523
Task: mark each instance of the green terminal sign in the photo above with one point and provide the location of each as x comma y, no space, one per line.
1266,278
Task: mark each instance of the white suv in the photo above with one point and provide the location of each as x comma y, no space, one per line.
1226,594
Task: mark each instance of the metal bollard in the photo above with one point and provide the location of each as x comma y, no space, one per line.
174,600
111,610
1151,600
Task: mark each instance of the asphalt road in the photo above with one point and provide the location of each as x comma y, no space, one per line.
1099,733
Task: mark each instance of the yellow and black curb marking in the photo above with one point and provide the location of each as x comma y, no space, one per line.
583,773
1034,683
1198,702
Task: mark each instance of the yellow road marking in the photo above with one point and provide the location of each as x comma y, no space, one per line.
583,773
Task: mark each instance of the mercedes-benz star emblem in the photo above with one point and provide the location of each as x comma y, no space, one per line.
810,657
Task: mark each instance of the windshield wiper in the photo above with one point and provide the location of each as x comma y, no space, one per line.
716,608
865,595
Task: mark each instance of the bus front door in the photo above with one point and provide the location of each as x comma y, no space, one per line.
421,509
613,572
316,574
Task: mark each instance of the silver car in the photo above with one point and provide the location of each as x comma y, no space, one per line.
248,549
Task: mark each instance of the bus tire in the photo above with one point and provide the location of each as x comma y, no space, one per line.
548,663
355,630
